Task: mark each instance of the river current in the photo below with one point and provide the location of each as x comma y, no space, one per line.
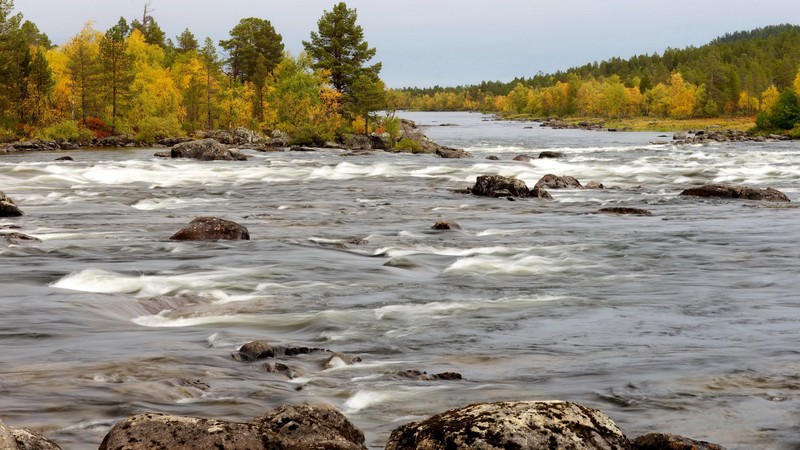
686,321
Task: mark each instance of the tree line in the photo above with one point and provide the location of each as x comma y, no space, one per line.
131,79
742,73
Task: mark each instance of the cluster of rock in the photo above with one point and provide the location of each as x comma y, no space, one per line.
524,425
705,136
37,145
558,124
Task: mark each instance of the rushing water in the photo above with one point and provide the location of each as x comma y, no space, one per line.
686,321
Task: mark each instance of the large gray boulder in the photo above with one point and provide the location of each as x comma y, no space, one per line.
206,150
210,229
737,192
285,428
500,186
662,441
7,207
517,425
28,440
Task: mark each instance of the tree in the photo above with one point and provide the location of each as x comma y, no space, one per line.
153,34
339,47
186,42
208,54
254,50
786,112
117,67
84,71
368,94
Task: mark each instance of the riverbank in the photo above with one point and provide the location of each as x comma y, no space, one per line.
744,123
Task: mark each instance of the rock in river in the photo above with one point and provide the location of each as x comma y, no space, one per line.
500,186
737,192
517,425
7,207
206,150
211,228
556,182
662,441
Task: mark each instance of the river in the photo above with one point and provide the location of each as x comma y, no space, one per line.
686,321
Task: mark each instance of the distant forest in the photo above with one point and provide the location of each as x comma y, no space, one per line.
740,73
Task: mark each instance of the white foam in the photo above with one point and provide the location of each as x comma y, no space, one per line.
365,399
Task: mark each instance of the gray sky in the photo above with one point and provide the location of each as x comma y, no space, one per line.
450,42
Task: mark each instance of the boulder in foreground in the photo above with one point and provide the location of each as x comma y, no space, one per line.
737,192
210,229
517,425
8,208
22,439
206,150
661,441
286,427
499,186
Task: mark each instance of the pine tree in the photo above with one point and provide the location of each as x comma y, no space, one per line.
117,67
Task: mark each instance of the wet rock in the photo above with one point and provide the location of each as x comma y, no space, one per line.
294,351
665,441
253,351
276,367
493,158
170,142
445,225
594,185
425,376
278,139
380,141
35,145
310,427
679,136
65,158
19,238
452,153
114,141
163,154
556,182
357,142
7,207
540,192
206,150
302,148
211,228
549,154
499,186
153,431
737,192
341,360
245,136
6,438
512,425
626,211
523,158
28,440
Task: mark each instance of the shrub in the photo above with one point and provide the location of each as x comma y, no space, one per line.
7,135
150,129
408,145
67,130
97,126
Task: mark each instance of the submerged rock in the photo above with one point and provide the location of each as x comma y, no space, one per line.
512,425
737,192
7,207
523,158
445,225
665,441
550,154
556,182
620,210
211,228
594,185
253,351
452,153
425,376
500,186
65,158
18,238
206,150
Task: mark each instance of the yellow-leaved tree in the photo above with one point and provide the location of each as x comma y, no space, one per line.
682,97
769,98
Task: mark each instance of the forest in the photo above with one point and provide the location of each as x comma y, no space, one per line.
132,79
752,73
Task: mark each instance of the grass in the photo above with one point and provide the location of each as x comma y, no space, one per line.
659,124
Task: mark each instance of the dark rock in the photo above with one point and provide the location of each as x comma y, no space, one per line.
276,367
659,142
594,185
28,440
114,141
500,186
294,351
357,142
163,154
512,425
310,427
35,145
18,238
445,225
523,158
380,141
549,154
65,158
556,182
492,158
169,142
206,150
626,211
211,228
452,153
665,441
737,192
540,192
221,136
425,376
7,207
302,148
255,350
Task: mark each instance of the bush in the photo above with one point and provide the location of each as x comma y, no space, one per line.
97,126
7,135
67,130
408,145
151,129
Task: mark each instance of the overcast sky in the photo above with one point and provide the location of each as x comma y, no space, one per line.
449,42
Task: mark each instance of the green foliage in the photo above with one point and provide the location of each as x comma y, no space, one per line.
151,129
7,135
408,145
67,130
117,65
392,126
339,48
254,49
785,115
187,42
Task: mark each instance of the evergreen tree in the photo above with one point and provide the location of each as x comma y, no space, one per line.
186,42
339,47
117,66
208,54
